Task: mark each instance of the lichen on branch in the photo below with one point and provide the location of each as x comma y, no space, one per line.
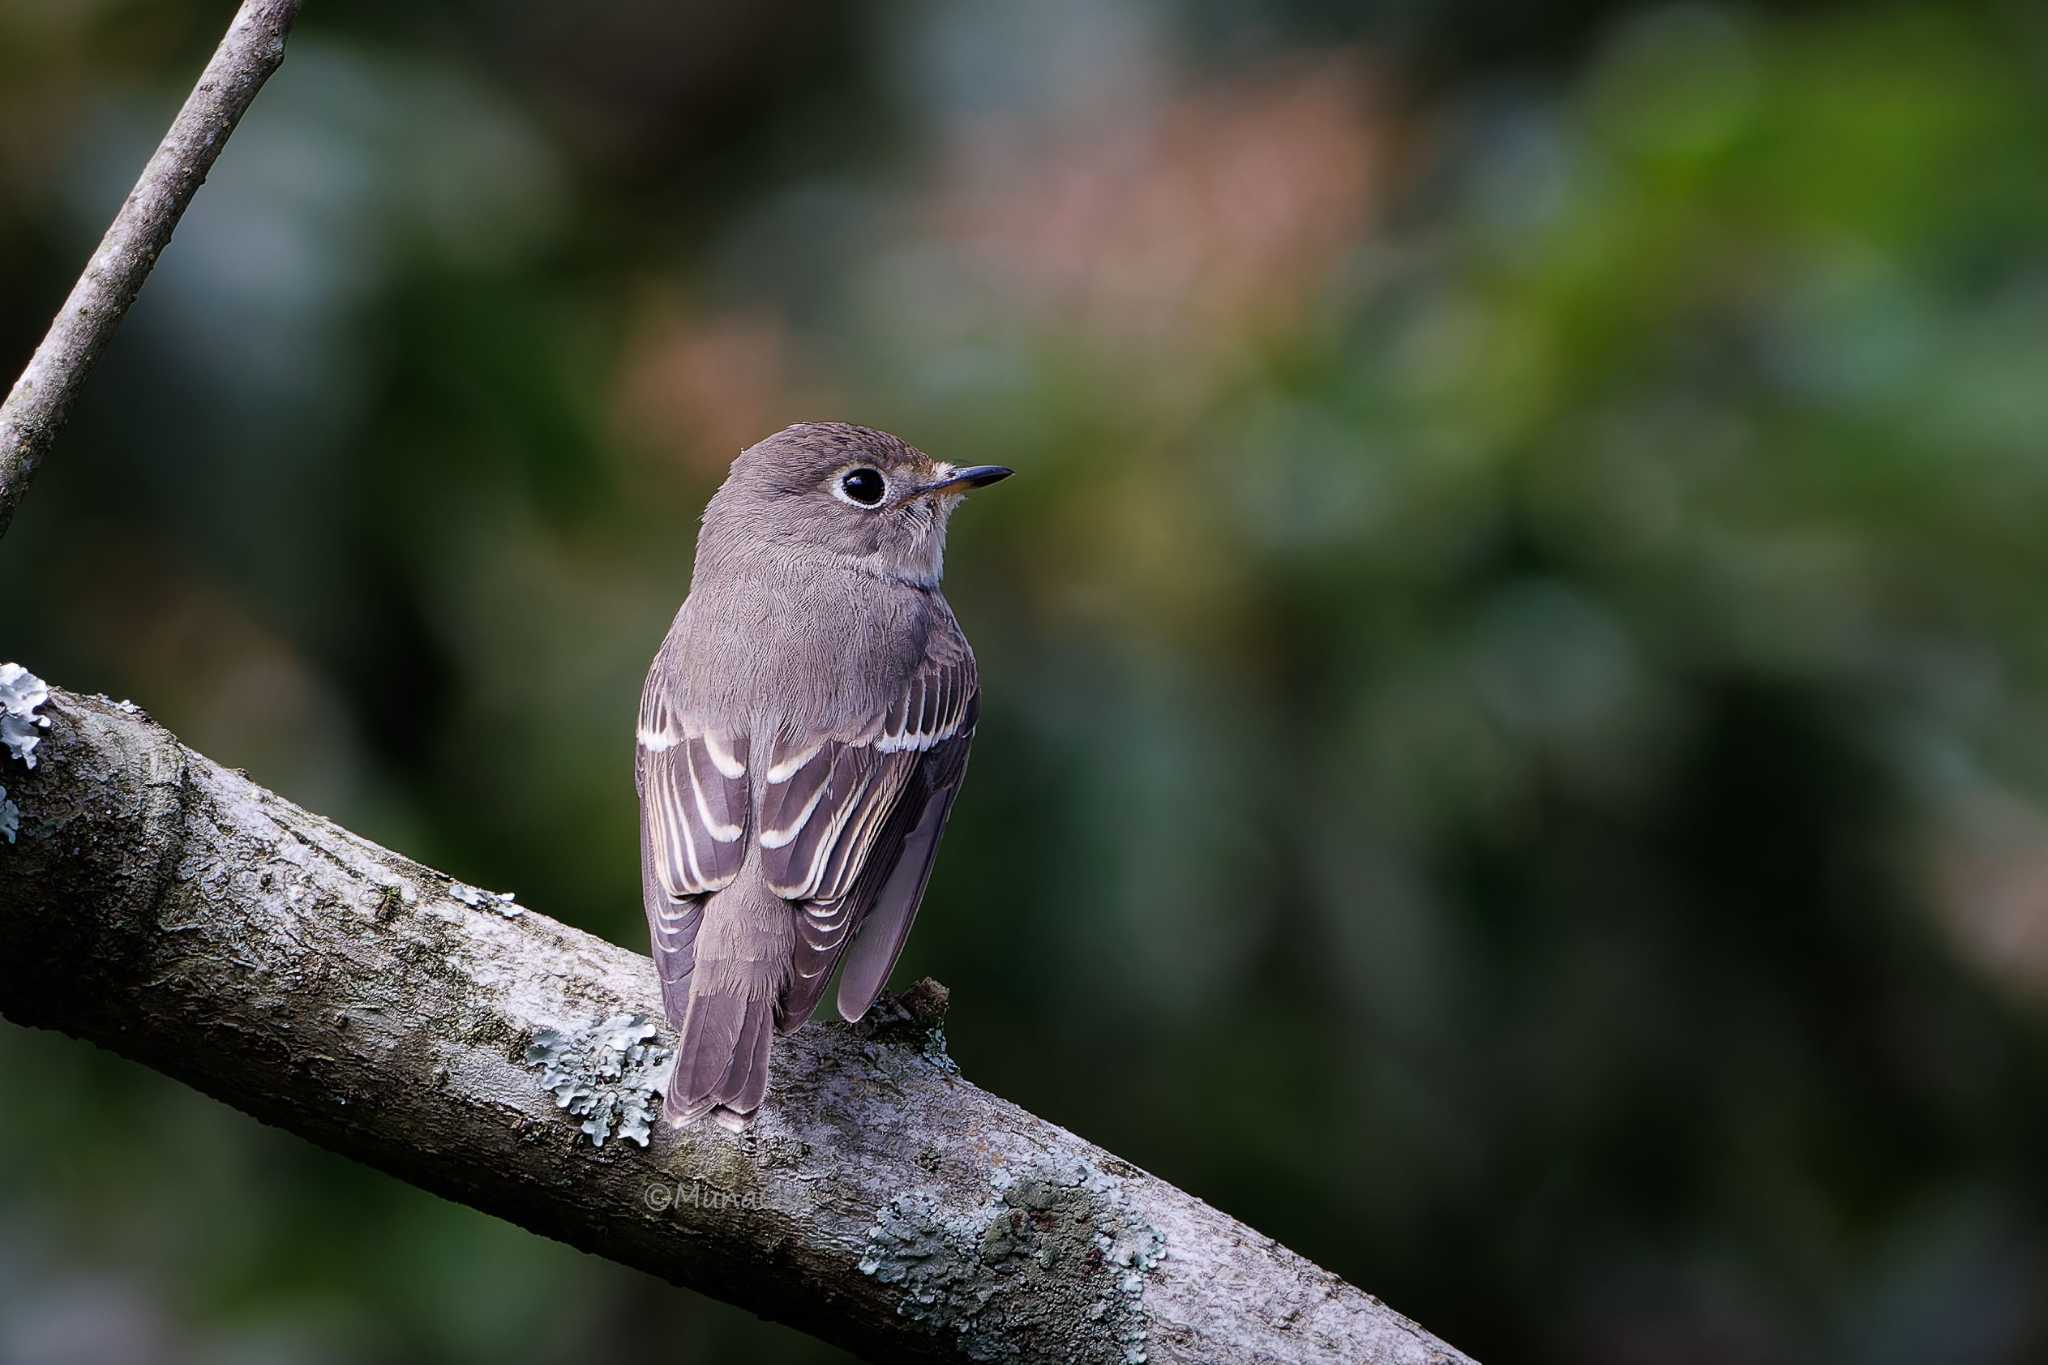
172,910
21,694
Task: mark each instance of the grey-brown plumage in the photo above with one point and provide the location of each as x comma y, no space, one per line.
803,732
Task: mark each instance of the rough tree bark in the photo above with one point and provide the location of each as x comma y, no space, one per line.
172,910
35,408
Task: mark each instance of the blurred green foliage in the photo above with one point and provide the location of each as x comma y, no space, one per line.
1514,754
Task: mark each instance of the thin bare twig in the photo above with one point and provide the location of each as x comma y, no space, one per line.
35,408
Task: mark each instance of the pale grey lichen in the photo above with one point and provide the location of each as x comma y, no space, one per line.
933,1050
21,692
1053,1263
609,1075
501,901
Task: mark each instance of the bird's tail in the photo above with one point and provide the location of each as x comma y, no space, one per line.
743,954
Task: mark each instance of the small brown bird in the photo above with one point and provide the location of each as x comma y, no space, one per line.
803,732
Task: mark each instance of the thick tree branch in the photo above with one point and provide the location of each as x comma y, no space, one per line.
177,913
35,408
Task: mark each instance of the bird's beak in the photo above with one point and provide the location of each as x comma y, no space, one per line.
957,481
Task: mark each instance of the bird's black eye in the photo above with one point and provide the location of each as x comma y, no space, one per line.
864,486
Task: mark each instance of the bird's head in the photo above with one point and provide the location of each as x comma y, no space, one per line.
842,493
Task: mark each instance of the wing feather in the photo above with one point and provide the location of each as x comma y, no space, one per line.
885,928
851,813
693,797
694,813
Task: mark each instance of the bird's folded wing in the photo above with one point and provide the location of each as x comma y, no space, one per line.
693,788
890,910
838,815
693,797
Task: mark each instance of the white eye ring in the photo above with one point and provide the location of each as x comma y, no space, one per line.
840,492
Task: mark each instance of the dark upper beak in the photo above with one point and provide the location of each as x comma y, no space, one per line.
974,476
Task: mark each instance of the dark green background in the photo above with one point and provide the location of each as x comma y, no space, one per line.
1514,751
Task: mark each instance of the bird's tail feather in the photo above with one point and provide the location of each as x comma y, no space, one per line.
722,1051
722,1059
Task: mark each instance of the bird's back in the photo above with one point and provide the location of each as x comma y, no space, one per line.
800,646
802,660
